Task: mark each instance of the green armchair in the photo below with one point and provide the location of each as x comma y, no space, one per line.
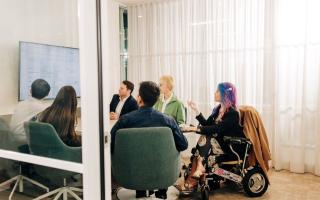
18,180
145,158
44,141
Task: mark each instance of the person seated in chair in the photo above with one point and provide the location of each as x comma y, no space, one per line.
168,102
28,109
147,116
123,102
62,115
224,121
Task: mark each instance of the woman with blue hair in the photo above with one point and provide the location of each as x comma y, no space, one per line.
224,121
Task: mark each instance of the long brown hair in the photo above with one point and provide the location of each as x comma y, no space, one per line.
62,113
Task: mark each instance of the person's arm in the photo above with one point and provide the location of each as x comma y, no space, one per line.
180,140
230,120
204,122
118,125
207,122
181,114
112,108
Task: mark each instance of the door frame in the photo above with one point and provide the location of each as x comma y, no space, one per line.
94,68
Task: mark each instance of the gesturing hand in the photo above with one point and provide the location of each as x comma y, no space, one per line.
194,107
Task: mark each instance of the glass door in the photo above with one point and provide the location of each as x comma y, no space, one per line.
47,49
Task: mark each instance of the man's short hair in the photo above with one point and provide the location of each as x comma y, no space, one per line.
129,85
149,93
40,89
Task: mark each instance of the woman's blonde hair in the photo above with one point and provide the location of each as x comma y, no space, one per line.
169,80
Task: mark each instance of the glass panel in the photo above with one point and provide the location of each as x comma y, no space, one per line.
40,91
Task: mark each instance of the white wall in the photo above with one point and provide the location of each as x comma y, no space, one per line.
50,22
42,21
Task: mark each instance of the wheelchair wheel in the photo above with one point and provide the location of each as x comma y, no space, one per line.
255,182
205,193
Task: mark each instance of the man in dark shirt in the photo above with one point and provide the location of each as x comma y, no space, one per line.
146,116
123,102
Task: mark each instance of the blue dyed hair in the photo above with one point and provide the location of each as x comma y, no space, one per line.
228,95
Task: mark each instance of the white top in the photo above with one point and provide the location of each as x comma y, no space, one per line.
120,105
165,102
24,112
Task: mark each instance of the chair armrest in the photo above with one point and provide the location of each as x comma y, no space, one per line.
73,154
236,140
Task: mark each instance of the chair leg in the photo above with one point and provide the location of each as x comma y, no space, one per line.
65,194
9,181
75,189
74,195
19,182
36,183
59,194
14,188
62,192
48,194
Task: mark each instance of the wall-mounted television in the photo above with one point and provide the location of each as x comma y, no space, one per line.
58,65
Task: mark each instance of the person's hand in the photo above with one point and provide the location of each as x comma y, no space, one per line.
114,116
111,115
188,129
194,107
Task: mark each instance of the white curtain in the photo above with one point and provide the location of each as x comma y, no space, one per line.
265,48
297,64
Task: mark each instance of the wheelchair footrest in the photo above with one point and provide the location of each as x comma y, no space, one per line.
233,162
227,174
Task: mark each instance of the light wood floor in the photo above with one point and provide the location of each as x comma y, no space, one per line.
284,186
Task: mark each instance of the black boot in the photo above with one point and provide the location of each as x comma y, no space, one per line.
161,194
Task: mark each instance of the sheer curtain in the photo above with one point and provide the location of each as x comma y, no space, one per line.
297,63
247,42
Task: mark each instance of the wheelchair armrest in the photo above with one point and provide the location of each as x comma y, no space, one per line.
236,140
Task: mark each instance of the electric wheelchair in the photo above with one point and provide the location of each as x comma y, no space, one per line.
251,178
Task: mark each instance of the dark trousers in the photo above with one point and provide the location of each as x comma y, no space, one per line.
227,156
144,192
162,191
204,150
